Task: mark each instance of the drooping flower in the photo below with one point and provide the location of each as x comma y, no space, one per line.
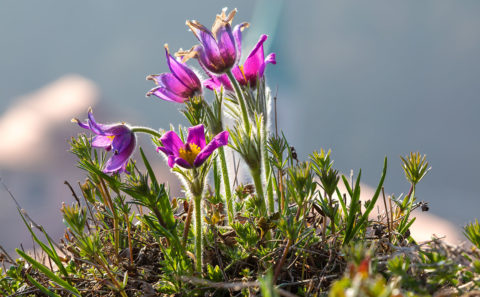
193,153
113,137
218,50
247,74
179,86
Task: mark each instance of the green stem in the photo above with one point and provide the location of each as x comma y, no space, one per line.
241,100
147,131
226,181
266,164
257,180
198,232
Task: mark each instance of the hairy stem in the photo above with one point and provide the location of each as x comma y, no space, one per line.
198,233
257,180
146,131
241,100
226,181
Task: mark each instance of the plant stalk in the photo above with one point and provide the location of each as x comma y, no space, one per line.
257,180
198,233
241,100
146,131
226,182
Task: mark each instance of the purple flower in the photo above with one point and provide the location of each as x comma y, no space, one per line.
193,153
179,85
248,73
116,137
218,50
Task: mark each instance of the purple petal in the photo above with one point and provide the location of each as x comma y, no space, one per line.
83,125
102,129
219,140
167,152
172,142
184,74
171,161
181,162
173,84
208,42
102,141
237,34
226,44
239,76
115,129
119,160
167,95
255,63
271,59
215,82
96,128
121,142
196,135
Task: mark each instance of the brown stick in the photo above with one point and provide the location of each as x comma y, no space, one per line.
188,222
282,261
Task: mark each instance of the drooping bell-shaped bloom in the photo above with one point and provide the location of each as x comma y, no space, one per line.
247,74
218,50
179,86
113,137
193,153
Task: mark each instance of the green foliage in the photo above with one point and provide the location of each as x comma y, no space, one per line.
293,231
472,232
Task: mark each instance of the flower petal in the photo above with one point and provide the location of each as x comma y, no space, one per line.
196,135
239,76
121,142
102,141
171,142
271,59
226,44
83,125
119,160
172,83
165,94
216,82
183,74
237,34
255,63
181,162
220,139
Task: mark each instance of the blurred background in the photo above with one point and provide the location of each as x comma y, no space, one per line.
365,79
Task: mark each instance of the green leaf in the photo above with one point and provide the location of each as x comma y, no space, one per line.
48,273
40,287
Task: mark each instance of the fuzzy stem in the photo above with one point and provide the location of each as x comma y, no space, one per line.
266,164
198,233
257,180
241,100
146,131
226,181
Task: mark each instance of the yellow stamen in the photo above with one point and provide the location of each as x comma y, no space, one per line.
189,152
111,137
243,73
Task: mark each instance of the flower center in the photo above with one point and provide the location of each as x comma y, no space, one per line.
189,152
111,137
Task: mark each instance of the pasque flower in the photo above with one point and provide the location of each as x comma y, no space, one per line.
218,50
247,74
195,151
179,86
118,138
